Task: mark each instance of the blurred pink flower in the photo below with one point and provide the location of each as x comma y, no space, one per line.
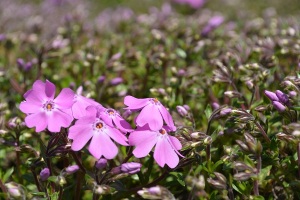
113,119
91,126
43,111
166,149
152,113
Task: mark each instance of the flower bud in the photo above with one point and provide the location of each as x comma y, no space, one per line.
217,184
131,168
207,140
198,135
271,95
44,174
240,166
60,180
278,106
101,79
72,169
156,192
215,105
222,179
232,94
182,111
101,163
243,176
292,94
283,98
102,189
225,111
116,81
15,190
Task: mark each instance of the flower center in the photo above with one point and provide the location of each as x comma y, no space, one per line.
99,125
111,112
155,101
49,106
162,131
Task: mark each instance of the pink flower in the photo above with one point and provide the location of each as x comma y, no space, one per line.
91,126
113,119
153,113
81,103
166,146
43,111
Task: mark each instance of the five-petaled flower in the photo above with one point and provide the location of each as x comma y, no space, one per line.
166,146
153,113
44,111
91,126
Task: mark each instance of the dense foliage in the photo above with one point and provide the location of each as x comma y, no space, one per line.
232,87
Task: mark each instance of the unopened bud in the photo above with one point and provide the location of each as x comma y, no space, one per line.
116,81
44,174
60,180
225,111
243,176
221,177
72,169
240,166
271,95
283,98
131,168
232,94
200,183
198,135
101,163
217,184
102,189
242,145
278,106
207,140
182,111
15,190
156,192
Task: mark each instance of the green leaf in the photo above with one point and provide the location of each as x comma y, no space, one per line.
258,198
7,174
179,177
38,193
236,189
52,179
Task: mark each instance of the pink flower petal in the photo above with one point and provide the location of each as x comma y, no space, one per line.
65,98
49,89
150,115
86,120
81,136
167,117
165,154
116,135
39,86
80,105
76,130
38,120
58,119
35,97
106,118
175,142
144,142
29,107
101,144
122,124
134,103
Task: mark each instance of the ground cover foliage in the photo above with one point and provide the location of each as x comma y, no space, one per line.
231,83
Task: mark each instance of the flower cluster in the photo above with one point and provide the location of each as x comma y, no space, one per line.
279,99
103,126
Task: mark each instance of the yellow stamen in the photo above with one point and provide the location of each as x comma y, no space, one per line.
49,106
